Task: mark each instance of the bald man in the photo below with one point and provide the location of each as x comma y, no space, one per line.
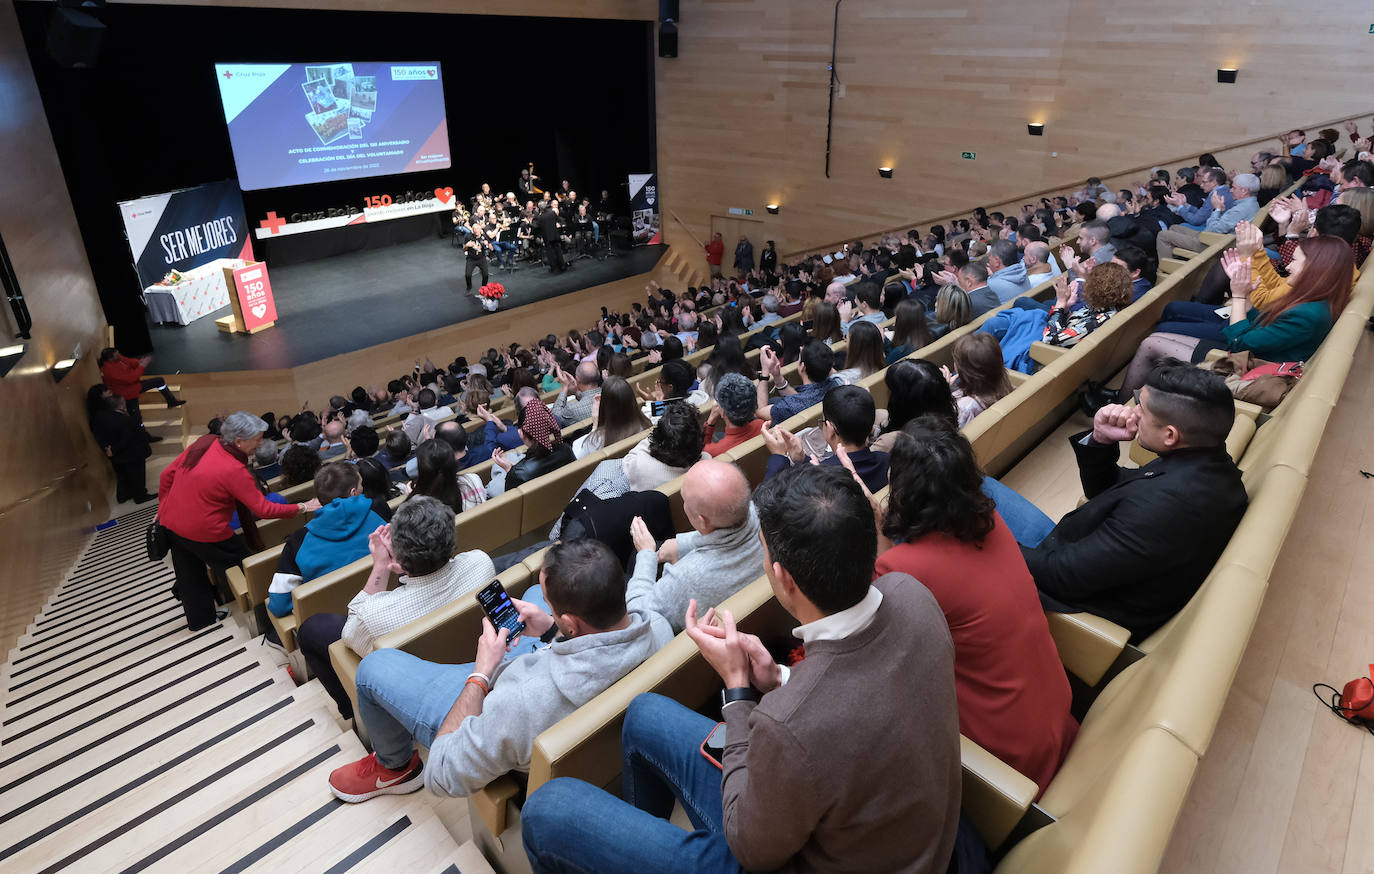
574,402
718,557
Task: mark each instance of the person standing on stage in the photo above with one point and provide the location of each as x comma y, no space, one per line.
547,224
477,247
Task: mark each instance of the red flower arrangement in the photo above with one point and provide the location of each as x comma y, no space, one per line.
492,291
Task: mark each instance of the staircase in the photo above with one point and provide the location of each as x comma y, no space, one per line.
128,743
684,268
169,424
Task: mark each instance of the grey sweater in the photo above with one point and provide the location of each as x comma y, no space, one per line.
710,567
532,693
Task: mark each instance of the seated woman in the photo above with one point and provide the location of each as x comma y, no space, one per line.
439,477
1106,290
863,353
979,378
377,485
946,532
544,447
1289,328
953,309
915,387
298,465
825,323
910,329
615,415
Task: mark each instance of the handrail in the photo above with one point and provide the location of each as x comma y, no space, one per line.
905,226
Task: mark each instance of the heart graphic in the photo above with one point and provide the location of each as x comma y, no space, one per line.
444,195
259,310
431,74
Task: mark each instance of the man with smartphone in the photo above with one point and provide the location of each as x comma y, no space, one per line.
850,756
480,719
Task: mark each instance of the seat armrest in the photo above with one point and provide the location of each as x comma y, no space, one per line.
1211,238
1088,645
239,586
1216,355
995,795
492,802
1044,353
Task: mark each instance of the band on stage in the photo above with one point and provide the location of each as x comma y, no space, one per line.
555,228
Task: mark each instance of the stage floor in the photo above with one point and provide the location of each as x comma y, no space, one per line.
360,299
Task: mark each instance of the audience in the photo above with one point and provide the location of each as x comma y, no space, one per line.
915,387
942,529
868,307
577,394
479,720
878,649
910,329
736,403
864,353
615,416
973,278
378,486
544,447
979,378
1007,278
298,464
1107,290
125,443
817,365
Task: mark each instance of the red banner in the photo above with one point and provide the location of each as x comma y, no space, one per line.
255,296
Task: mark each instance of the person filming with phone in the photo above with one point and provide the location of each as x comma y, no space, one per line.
479,720
847,761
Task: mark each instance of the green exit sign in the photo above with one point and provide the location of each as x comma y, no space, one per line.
748,212
968,156
1371,28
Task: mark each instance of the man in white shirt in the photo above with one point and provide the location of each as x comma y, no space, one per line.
429,412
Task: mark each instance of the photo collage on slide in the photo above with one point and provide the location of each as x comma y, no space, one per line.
341,104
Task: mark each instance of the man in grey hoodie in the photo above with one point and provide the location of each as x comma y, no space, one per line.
1007,275
480,720
719,557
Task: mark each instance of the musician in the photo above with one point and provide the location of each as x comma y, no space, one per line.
548,226
565,191
461,222
582,230
498,229
524,234
478,248
526,184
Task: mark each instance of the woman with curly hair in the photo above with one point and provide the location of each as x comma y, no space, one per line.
942,529
298,465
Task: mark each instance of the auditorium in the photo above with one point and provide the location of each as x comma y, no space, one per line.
446,437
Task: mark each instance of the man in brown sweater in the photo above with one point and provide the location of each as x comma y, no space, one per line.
849,761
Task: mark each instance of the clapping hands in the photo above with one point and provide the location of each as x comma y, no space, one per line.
1237,267
1248,239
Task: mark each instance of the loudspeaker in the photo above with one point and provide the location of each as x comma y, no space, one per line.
667,10
667,40
74,38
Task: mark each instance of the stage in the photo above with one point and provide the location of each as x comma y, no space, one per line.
360,299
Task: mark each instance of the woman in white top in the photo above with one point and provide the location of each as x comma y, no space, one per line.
979,378
864,353
615,416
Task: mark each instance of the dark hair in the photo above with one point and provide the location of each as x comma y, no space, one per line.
669,347
850,411
978,360
298,465
677,375
869,294
1135,259
791,338
817,361
1207,159
376,479
335,480
910,327
109,353
518,378
728,357
1196,402
1339,220
1321,149
438,473
864,348
677,437
825,322
935,485
1357,169
621,366
95,399
818,525
618,415
398,445
423,535
304,428
361,399
584,578
364,441
272,432
916,387
707,334
1087,210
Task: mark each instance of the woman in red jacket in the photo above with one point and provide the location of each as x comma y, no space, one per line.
197,495
124,376
1013,694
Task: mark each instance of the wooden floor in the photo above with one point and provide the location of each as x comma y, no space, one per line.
128,743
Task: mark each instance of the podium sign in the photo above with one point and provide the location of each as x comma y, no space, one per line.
254,307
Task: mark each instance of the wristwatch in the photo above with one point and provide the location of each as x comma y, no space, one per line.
739,693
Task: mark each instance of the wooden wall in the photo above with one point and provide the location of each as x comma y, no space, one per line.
53,481
742,110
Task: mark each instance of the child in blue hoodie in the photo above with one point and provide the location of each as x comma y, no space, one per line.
336,536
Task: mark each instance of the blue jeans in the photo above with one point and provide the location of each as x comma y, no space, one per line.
572,826
1027,523
1192,320
403,699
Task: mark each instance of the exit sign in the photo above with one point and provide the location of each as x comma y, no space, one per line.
735,210
968,156
1371,28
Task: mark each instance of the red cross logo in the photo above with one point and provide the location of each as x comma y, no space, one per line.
272,223
228,75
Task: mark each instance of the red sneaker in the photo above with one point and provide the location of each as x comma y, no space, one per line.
368,778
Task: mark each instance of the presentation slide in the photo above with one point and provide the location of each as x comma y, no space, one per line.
298,124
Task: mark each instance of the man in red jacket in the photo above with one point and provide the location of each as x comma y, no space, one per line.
715,251
124,376
197,495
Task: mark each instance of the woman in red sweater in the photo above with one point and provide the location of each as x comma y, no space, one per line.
124,376
1013,693
197,495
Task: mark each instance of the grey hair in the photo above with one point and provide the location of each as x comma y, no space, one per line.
738,398
1038,251
769,303
266,453
240,426
1006,252
423,538
358,419
1097,230
687,321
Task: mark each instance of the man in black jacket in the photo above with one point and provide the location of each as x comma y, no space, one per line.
1147,538
125,443
547,225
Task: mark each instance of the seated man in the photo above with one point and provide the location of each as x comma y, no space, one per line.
335,536
266,463
1147,538
395,452
868,300
429,411
736,403
973,278
816,366
480,720
584,385
720,556
419,545
848,414
332,445
796,790
1007,277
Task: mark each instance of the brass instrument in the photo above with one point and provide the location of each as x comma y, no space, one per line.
534,189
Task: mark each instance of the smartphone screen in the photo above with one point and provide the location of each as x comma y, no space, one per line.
657,407
713,748
499,609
